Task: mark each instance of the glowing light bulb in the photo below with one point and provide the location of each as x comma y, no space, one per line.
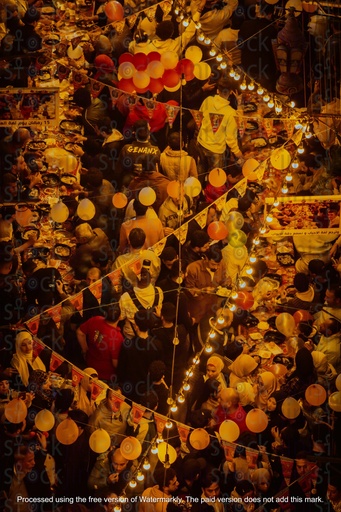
308,134
176,341
146,464
174,407
294,164
186,386
185,22
212,335
198,25
278,109
159,439
168,424
269,218
234,295
189,373
208,348
232,307
276,202
232,73
260,90
132,483
237,76
256,241
223,65
219,57
242,284
117,508
220,320
300,149
181,16
252,258
285,189
298,125
243,85
154,449
181,399
251,86
213,52
196,360
271,103
249,271
201,37
207,40
266,97
176,11
140,476
262,230
292,104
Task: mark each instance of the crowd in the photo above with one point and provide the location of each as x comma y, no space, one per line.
177,302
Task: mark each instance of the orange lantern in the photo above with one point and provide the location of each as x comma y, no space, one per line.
278,370
217,230
155,69
114,11
175,189
217,177
291,408
199,439
16,410
202,71
249,169
338,382
256,420
334,401
44,420
126,70
131,448
99,441
86,209
315,394
141,79
229,431
169,60
67,431
147,196
244,300
119,200
280,159
166,453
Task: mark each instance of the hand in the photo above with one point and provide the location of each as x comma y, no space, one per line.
9,372
113,478
333,250
42,439
208,289
168,231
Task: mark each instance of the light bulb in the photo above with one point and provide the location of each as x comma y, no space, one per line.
208,348
198,25
243,85
234,295
212,335
189,373
249,271
251,86
117,508
220,320
260,90
256,241
185,23
252,258
140,476
176,11
276,202
300,149
122,499
292,104
262,230
154,448
271,103
159,439
169,400
232,73
269,218
237,76
146,464
223,65
278,109
219,57
213,52
308,134
266,97
174,407
186,386
201,37
232,307
285,189
176,340
168,424
196,360
181,399
294,164
298,125
132,483
207,40
242,284
181,16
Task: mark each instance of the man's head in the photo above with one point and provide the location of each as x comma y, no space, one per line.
166,480
137,238
330,326
228,398
210,485
200,241
4,384
144,279
142,130
302,463
225,86
93,275
84,233
24,459
112,312
168,312
139,208
143,320
333,211
168,256
333,297
214,257
117,460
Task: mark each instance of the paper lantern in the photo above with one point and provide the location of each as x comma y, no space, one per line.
166,453
217,177
169,60
170,78
217,230
153,56
291,408
104,63
86,210
44,420
202,71
244,300
229,431
249,168
141,79
338,382
278,370
173,89
315,394
235,219
119,200
126,57
194,54
114,11
155,85
256,420
67,431
100,441
285,324
175,189
296,4
199,439
131,448
334,401
126,85
60,212
302,316
237,238
309,6
16,410
126,70
140,61
192,187
185,67
147,196
280,159
155,69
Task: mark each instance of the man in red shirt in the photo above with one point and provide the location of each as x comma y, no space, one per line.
229,409
100,340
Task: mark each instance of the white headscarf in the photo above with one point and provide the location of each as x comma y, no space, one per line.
22,361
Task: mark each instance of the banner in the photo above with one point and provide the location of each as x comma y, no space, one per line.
55,362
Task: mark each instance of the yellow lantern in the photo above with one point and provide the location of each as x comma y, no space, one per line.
256,420
99,441
44,420
147,196
169,60
249,168
192,187
194,54
67,431
229,431
199,439
119,200
291,408
60,212
202,71
334,401
141,79
131,448
166,453
16,410
338,382
86,210
155,69
280,159
126,70
217,177
315,394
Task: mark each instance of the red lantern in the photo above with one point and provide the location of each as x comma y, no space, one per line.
104,63
153,56
126,57
170,78
126,85
114,11
244,300
185,67
140,61
302,316
155,85
217,230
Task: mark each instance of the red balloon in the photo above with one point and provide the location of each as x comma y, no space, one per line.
153,56
302,316
126,57
126,85
104,63
114,11
217,230
140,61
244,300
155,85
185,67
170,78
142,91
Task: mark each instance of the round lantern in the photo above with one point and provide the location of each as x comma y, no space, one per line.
125,57
126,70
302,316
237,238
192,187
119,200
235,219
249,169
152,56
147,196
44,420
141,79
338,382
199,439
140,61
280,159
309,6
169,60
256,420
229,431
166,453
131,448
67,432
173,89
285,323
185,67
244,300
99,441
114,11
202,71
194,54
315,394
126,85
60,212
155,69
86,210
16,410
334,401
170,78
155,85
291,408
278,370
175,189
217,177
296,4
217,230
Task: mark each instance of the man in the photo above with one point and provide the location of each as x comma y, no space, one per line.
218,129
159,495
100,340
202,279
196,248
175,162
111,416
229,408
332,305
174,211
110,472
168,256
125,262
211,491
330,342
214,16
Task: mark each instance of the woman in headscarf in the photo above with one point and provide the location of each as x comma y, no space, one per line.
303,376
85,401
242,376
24,360
214,381
267,385
326,372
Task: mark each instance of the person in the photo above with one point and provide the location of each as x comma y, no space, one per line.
303,376
150,177
166,485
167,257
202,279
329,343
175,162
24,360
100,340
157,384
229,408
84,398
305,297
110,472
210,492
218,129
174,211
334,491
196,247
243,371
214,16
100,191
267,385
43,285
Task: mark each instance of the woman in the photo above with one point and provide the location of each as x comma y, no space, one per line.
243,371
85,402
303,375
23,360
267,385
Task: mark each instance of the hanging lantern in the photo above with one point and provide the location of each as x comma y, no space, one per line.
217,230
280,159
99,441
199,439
334,401
86,210
202,71
229,431
194,54
192,187
291,408
44,420
114,11
285,324
338,382
147,196
315,394
16,410
244,300
166,453
131,448
169,60
249,168
217,177
119,200
256,421
175,189
60,212
67,432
